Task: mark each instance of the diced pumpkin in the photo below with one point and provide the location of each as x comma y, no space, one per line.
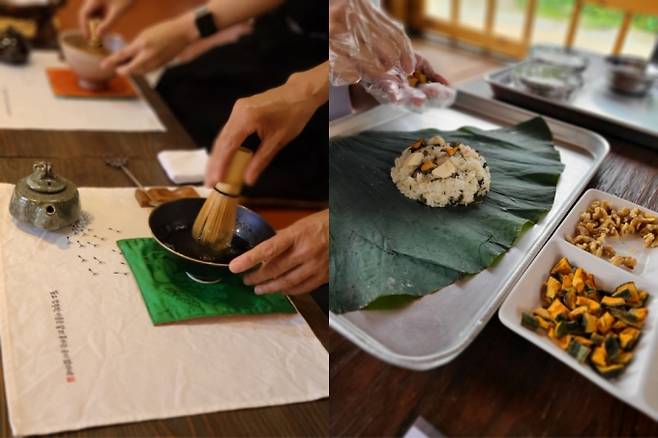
583,340
640,313
577,311
596,326
530,322
542,313
563,342
552,288
590,282
613,302
628,338
592,305
636,319
604,323
566,281
628,291
597,339
625,358
610,371
564,328
578,280
577,350
545,324
562,267
587,322
598,357
557,309
612,347
619,326
592,294
569,299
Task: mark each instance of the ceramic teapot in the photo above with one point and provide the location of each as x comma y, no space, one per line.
45,200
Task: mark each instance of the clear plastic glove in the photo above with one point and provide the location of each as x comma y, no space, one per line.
369,48
277,116
108,11
153,48
294,261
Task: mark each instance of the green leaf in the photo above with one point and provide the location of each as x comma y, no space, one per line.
383,243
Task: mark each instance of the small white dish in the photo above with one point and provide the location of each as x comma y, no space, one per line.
638,384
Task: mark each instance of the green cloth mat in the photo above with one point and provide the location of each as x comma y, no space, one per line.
170,295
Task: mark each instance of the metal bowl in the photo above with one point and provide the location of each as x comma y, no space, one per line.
171,226
559,56
547,80
630,75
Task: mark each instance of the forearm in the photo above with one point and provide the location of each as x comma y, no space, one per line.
311,85
227,13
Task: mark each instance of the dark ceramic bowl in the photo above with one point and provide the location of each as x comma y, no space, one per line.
171,226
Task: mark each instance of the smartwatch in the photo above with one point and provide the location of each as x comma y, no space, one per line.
205,22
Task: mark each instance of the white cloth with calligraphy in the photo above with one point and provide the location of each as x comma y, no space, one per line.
125,369
28,102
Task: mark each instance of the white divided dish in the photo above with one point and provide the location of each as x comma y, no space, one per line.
638,384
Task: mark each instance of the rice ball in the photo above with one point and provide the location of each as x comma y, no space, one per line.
439,174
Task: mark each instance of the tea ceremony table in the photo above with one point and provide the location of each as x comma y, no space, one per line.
79,156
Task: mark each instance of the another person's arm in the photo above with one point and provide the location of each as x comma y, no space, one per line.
162,42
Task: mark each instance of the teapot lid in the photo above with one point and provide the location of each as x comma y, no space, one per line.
43,179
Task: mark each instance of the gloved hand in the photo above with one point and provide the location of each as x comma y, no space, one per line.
369,48
107,10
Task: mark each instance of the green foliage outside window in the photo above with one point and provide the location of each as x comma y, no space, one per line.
592,17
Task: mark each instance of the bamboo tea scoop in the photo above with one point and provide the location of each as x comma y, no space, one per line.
215,223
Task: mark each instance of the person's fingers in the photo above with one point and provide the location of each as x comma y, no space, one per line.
122,55
136,64
287,281
274,268
424,66
310,284
228,141
262,253
87,10
261,159
109,18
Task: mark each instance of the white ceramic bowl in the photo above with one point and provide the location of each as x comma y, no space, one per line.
87,64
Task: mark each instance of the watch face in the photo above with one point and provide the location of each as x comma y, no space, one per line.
205,23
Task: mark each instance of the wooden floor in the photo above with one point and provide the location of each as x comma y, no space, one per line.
455,63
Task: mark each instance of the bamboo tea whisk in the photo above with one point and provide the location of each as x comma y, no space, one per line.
95,40
215,223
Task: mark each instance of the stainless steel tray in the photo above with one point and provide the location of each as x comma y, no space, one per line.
435,329
593,106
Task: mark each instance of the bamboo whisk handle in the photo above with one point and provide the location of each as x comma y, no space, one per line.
232,182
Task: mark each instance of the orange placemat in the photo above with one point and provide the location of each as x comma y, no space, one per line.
64,83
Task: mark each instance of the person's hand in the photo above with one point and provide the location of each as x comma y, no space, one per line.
106,10
294,261
368,48
277,116
153,47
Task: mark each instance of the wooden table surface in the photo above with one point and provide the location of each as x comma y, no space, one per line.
501,384
79,157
